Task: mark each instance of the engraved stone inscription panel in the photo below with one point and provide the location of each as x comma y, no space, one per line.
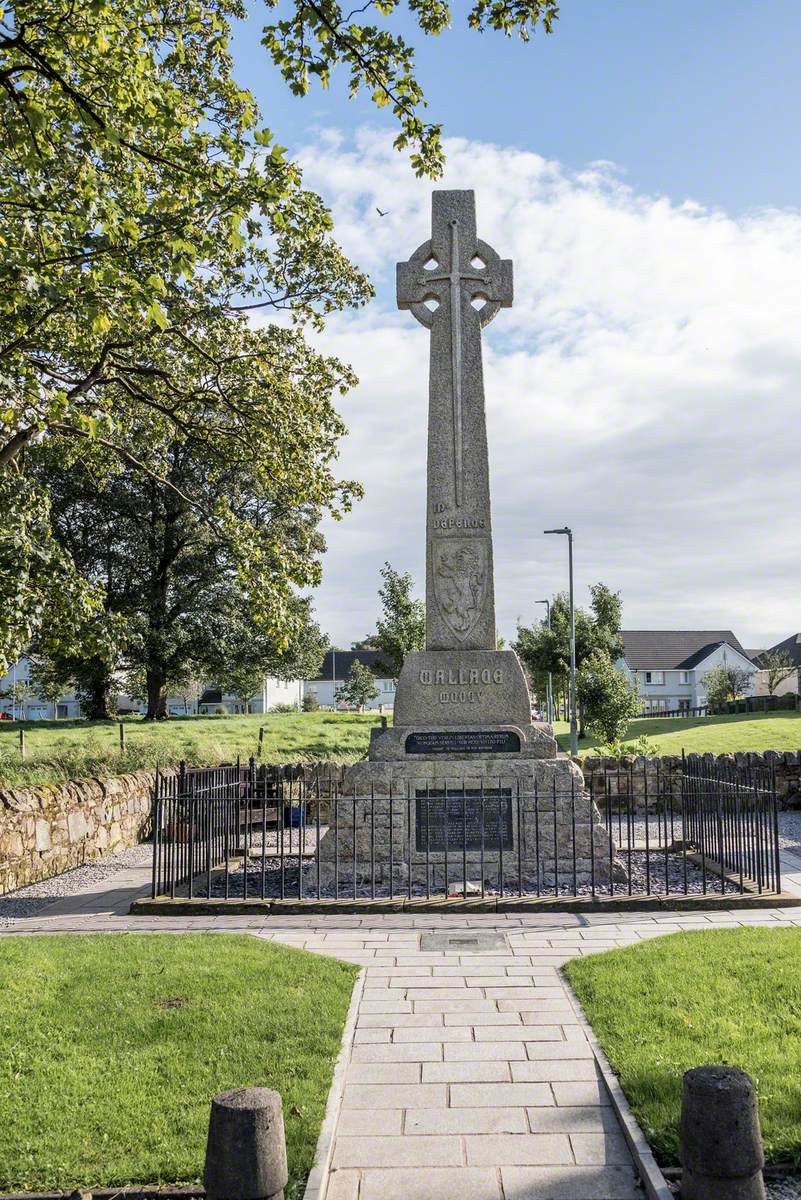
463,741
460,815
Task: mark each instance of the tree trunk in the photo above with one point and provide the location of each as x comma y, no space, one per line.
94,688
156,694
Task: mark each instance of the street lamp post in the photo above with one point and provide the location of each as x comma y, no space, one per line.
549,691
568,533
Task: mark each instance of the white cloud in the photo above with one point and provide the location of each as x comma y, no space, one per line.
643,388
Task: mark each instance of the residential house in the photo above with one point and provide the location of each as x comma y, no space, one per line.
273,692
669,665
19,699
792,684
22,702
335,670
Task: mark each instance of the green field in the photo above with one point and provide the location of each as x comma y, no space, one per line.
112,1045
724,996
59,750
707,735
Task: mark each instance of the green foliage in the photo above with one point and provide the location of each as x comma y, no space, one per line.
284,708
643,747
310,703
730,996
319,35
725,683
239,654
542,649
609,701
144,211
402,625
359,687
779,666
597,636
151,1016
140,209
176,591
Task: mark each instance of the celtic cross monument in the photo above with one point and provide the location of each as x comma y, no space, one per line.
462,714
454,284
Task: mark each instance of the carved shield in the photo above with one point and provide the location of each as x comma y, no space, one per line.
460,581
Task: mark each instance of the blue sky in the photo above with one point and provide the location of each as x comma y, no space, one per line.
697,100
642,172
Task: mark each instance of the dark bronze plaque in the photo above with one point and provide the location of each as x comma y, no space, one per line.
464,741
463,819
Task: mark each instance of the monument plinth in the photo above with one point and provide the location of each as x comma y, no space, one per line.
462,731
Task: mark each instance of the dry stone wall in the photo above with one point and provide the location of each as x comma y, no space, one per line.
645,779
47,830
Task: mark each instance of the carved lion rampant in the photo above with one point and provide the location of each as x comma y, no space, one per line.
460,575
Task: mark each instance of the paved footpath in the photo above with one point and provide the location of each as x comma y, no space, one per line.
471,1075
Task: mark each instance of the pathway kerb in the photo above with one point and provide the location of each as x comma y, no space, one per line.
654,1182
317,1183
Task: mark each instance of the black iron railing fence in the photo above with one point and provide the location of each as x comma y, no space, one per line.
249,831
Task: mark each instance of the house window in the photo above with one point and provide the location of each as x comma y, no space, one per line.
684,676
387,685
684,704
655,677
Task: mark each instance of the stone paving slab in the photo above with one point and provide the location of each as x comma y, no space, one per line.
471,1076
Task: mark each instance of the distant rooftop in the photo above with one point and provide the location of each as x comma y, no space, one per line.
674,649
791,646
337,663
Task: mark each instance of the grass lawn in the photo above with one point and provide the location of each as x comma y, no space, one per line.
729,996
703,735
111,1047
58,750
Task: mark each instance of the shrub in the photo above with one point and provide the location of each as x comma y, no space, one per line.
642,748
284,708
311,703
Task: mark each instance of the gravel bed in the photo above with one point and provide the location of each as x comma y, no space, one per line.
31,900
789,829
788,1188
790,836
641,879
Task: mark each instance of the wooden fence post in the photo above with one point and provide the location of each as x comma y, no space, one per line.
22,743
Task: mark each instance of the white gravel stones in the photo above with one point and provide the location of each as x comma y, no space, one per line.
788,1188
33,899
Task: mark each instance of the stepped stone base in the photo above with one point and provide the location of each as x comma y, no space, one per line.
530,808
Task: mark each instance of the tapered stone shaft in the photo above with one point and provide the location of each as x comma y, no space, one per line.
441,284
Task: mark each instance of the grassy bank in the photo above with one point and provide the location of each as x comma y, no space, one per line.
728,996
707,735
111,1047
59,750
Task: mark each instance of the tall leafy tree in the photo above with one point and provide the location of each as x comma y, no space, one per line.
778,666
144,211
243,655
359,688
725,683
610,702
401,627
172,576
597,633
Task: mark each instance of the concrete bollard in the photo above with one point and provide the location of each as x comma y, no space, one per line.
721,1145
246,1149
